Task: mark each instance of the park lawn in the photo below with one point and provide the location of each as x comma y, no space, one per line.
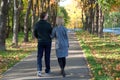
103,55
11,56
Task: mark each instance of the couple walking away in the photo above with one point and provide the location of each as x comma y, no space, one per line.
44,34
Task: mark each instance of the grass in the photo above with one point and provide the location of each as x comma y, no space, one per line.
103,55
11,56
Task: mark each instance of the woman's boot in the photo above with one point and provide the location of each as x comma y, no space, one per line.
61,62
63,72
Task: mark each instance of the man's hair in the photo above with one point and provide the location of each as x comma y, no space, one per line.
42,15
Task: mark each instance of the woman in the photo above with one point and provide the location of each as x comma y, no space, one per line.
62,43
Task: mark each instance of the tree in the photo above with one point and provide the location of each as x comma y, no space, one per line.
100,22
8,27
103,8
17,8
3,19
26,21
92,16
34,5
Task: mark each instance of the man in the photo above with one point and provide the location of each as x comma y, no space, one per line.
42,32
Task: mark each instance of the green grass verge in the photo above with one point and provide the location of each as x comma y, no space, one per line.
11,56
102,55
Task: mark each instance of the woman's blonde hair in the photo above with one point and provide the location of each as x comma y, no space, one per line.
59,21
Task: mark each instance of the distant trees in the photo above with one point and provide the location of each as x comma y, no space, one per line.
93,13
92,17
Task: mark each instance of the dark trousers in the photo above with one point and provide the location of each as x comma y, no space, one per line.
44,47
62,62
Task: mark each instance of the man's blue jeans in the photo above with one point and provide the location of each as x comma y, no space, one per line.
44,48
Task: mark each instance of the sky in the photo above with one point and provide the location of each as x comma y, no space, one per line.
66,2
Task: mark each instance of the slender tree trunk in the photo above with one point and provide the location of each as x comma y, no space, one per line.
26,21
53,12
91,16
93,21
3,19
16,23
42,5
15,27
83,20
33,18
101,20
97,18
20,19
87,22
38,10
84,15
12,15
49,11
90,21
8,21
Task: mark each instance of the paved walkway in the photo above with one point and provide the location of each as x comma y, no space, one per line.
76,67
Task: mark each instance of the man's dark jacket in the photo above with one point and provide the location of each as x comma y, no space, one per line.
42,31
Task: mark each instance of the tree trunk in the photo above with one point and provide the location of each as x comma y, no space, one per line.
33,17
90,21
3,19
53,12
49,11
38,10
97,18
15,27
93,22
100,23
42,5
26,21
93,17
87,22
8,21
83,21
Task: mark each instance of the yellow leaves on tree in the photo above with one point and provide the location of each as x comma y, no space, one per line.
52,2
116,6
